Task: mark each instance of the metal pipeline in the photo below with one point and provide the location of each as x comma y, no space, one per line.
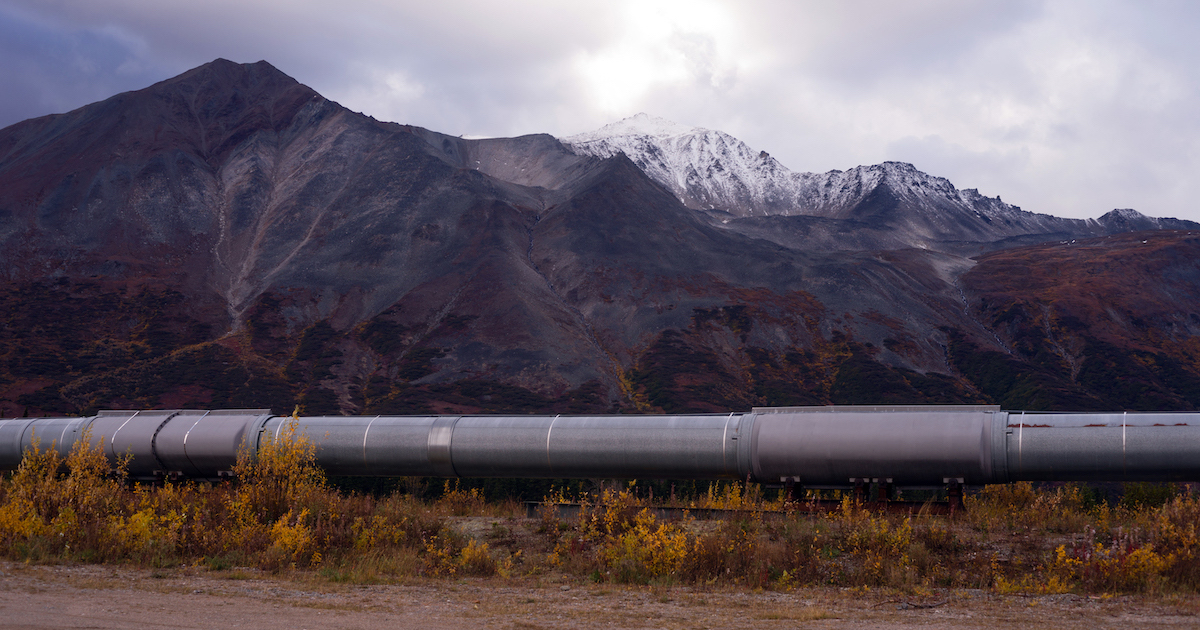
810,446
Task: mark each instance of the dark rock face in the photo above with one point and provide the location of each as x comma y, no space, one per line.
231,238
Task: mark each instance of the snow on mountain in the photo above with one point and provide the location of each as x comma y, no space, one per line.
836,193
638,125
705,169
711,170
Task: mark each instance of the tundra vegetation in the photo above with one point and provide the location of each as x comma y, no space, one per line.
281,514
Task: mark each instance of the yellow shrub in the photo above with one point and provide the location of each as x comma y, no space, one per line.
19,520
292,536
647,550
1032,583
446,556
1126,564
279,478
1021,506
878,548
377,530
461,502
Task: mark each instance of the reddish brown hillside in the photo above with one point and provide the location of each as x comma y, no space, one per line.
1117,316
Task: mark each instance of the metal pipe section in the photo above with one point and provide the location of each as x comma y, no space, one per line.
609,447
1104,446
908,446
810,446
182,443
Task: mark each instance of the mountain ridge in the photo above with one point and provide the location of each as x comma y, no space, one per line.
231,238
711,170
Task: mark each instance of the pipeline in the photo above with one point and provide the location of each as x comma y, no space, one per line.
815,447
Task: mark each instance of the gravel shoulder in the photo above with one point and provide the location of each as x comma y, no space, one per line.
89,596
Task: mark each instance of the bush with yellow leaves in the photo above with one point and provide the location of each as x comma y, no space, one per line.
448,554
280,513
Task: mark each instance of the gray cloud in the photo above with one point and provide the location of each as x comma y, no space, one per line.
47,69
1070,107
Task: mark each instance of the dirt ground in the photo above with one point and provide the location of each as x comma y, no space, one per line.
88,596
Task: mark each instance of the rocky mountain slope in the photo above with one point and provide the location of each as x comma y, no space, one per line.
231,238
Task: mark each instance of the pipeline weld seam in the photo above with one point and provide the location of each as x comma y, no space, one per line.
62,437
439,444
549,463
1021,444
365,432
259,431
725,443
112,442
154,440
188,433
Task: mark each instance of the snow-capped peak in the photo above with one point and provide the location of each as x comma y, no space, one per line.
711,170
641,124
1124,213
705,169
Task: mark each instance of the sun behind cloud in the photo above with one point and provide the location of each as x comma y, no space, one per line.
663,44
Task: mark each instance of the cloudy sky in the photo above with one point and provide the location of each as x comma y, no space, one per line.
1070,107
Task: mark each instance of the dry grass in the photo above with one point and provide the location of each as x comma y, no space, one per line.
796,613
281,515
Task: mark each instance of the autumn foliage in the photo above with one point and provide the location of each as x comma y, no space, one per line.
282,514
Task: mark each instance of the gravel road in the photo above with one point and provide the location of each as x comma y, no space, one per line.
88,596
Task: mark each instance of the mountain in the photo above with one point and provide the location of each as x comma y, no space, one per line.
704,169
711,170
230,238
